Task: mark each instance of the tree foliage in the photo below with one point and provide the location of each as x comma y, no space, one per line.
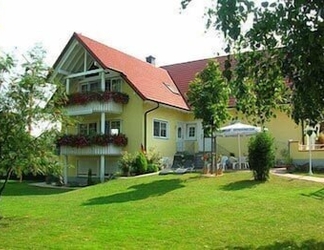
261,90
208,95
291,34
26,99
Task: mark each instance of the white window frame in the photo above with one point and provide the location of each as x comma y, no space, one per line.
93,83
189,128
87,128
110,83
160,130
110,127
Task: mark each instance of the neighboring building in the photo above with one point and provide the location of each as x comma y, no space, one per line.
136,105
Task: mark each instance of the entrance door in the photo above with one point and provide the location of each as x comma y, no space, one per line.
204,143
180,137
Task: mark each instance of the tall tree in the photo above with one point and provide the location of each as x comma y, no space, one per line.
27,100
292,35
208,95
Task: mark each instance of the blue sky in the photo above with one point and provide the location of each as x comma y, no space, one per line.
137,27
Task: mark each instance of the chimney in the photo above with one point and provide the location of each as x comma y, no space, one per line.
151,60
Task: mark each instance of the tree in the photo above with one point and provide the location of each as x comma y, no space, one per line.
261,155
26,100
291,33
208,95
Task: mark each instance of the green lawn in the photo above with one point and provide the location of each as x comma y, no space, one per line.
166,212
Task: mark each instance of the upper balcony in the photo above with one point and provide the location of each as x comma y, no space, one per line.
85,103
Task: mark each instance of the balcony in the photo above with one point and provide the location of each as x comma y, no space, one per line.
91,150
94,102
100,144
95,107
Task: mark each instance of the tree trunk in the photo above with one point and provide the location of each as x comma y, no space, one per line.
8,174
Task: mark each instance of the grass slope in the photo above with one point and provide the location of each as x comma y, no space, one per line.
166,212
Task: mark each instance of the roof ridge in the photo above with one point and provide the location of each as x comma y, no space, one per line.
194,61
117,50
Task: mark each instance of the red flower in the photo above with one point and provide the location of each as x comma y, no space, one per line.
101,96
87,140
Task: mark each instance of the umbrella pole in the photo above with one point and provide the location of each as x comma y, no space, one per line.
239,148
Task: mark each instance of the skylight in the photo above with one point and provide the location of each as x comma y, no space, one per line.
172,88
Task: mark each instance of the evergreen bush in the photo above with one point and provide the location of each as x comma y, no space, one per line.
261,155
140,164
151,168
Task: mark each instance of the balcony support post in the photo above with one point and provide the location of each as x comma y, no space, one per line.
102,168
102,157
102,122
67,86
103,82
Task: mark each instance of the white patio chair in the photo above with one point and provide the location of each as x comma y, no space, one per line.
243,161
234,162
223,162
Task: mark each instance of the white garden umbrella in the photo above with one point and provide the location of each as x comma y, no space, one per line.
238,129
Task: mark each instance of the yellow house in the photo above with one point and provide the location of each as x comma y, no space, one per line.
129,104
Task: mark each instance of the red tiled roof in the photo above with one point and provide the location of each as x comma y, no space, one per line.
183,73
148,81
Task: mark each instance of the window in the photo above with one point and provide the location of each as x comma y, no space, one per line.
88,129
179,132
112,124
92,128
94,86
160,128
90,86
84,88
191,131
172,88
83,129
113,85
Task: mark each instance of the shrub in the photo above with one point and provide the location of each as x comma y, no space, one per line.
154,157
140,164
126,163
261,155
151,168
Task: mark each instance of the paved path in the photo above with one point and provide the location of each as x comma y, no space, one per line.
283,172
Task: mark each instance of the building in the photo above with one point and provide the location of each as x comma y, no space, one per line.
130,104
